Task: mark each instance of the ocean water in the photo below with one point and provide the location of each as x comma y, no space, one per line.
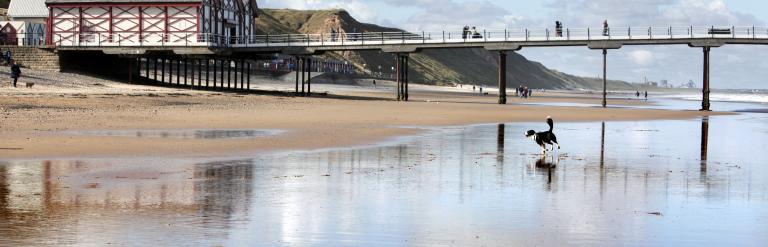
699,182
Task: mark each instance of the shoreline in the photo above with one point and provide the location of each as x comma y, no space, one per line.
347,116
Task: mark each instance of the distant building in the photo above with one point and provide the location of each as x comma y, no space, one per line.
153,22
27,23
663,83
31,11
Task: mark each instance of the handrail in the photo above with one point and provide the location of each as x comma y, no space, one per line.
402,37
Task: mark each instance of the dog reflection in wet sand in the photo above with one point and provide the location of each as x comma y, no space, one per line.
545,137
543,165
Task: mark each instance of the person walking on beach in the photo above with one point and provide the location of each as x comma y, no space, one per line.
646,95
637,94
606,31
15,72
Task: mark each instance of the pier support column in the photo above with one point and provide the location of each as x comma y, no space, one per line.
221,74
296,65
398,71
242,74
215,64
705,88
309,76
234,69
207,72
405,77
228,63
186,75
303,67
154,69
199,73
502,77
162,68
130,72
178,72
605,78
248,76
402,76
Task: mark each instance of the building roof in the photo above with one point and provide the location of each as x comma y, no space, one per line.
118,1
27,8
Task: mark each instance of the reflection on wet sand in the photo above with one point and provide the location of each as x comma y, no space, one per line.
67,200
457,186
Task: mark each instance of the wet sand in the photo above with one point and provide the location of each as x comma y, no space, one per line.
31,120
613,183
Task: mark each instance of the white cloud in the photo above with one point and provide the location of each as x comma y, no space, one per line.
641,57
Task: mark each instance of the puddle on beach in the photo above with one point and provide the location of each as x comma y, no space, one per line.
176,134
678,183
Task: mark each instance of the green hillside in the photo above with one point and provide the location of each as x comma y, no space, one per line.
435,66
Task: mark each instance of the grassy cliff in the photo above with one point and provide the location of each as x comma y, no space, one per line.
436,66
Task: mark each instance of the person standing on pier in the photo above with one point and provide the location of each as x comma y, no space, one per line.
606,31
464,32
558,29
15,72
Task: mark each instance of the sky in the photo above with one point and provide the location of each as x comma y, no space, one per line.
732,66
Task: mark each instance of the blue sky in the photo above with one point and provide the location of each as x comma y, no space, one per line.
732,66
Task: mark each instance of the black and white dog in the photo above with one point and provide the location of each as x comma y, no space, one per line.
544,138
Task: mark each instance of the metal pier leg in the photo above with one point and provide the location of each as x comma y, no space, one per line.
296,68
242,74
186,76
405,78
130,72
309,76
154,68
221,74
162,68
199,72
229,74
303,76
207,72
146,65
502,77
249,76
605,80
235,71
705,89
215,64
178,72
398,71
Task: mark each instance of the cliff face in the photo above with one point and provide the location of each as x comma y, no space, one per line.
435,66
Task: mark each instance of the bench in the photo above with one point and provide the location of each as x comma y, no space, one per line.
719,31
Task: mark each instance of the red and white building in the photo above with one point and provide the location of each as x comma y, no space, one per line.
150,22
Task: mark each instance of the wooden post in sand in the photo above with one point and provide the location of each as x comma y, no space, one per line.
502,77
605,80
705,88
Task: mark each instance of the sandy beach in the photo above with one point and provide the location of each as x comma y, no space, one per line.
32,120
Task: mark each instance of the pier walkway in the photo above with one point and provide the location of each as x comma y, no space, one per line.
303,46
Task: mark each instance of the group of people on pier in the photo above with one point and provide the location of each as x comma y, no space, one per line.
470,33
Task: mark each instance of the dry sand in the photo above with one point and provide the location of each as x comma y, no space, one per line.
31,120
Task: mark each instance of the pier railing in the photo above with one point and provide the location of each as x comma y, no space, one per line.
403,37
